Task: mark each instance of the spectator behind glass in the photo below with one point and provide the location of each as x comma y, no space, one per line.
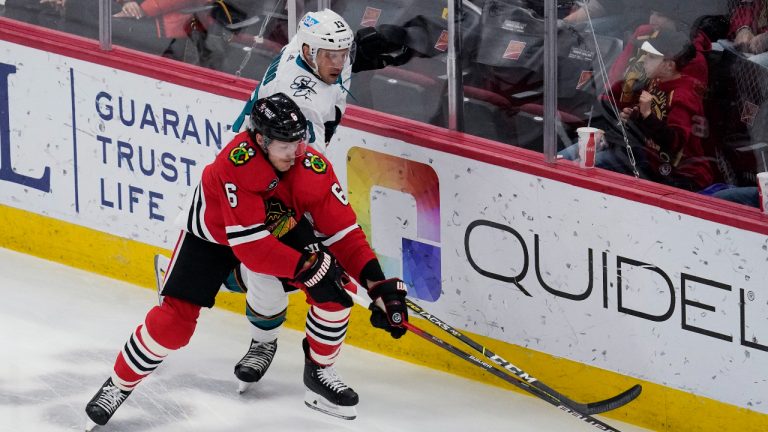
609,17
155,26
667,151
745,195
159,27
45,13
627,74
749,29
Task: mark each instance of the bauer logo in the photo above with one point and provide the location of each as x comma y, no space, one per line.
407,242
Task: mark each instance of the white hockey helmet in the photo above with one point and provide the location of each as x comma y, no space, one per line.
324,29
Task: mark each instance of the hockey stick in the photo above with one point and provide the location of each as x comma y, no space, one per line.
508,378
161,267
551,399
524,385
589,408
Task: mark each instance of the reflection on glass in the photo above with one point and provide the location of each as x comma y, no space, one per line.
44,13
214,34
678,86
234,36
685,95
417,89
242,37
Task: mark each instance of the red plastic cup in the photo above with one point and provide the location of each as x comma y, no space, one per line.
762,189
590,139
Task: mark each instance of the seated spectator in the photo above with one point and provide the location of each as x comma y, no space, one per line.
749,29
746,195
158,27
584,10
663,145
45,13
154,26
609,17
627,72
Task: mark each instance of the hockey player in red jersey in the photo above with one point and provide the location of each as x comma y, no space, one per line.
248,199
314,69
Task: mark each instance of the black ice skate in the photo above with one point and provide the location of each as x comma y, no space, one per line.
326,392
254,363
104,403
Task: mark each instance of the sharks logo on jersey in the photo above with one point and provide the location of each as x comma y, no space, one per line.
304,86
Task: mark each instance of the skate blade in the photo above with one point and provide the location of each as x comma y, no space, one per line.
161,267
319,403
243,386
90,425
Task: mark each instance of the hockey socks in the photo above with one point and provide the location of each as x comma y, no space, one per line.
166,328
140,356
326,329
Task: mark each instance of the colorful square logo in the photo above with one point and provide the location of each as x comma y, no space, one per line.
749,112
370,17
417,260
310,21
583,79
514,50
442,41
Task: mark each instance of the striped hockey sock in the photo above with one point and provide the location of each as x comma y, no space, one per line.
140,356
326,329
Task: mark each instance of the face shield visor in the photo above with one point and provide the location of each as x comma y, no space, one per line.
336,58
285,149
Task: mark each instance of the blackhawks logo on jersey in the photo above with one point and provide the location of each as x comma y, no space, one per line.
241,154
280,219
315,163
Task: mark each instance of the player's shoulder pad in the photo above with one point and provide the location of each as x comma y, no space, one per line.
248,163
241,153
315,162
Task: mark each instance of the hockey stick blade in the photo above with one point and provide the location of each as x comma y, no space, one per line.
161,267
508,378
547,397
589,408
617,401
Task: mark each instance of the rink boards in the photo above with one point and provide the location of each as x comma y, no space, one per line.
585,281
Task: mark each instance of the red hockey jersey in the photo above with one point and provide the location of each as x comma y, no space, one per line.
229,207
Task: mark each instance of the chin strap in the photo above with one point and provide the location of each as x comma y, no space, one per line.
312,62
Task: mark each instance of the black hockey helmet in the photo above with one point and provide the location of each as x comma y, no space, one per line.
277,117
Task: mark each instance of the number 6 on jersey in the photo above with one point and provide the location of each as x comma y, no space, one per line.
336,189
230,189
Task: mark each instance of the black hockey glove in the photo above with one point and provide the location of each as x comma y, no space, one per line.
322,281
389,294
377,48
330,126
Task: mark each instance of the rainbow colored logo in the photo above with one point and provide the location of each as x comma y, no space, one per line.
374,176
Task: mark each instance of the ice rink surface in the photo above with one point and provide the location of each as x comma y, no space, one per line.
61,329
